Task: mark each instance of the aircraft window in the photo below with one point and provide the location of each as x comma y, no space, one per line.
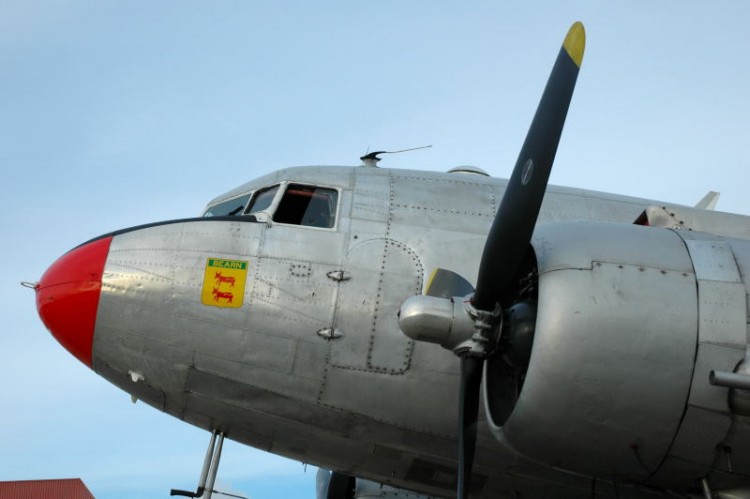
262,199
307,205
228,208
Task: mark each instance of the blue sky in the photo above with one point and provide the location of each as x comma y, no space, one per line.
120,113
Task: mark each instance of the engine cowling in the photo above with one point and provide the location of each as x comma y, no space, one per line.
630,321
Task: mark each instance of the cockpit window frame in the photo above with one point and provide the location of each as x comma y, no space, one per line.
271,207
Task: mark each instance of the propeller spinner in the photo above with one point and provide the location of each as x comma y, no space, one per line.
471,327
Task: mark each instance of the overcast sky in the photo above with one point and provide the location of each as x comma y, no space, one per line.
120,113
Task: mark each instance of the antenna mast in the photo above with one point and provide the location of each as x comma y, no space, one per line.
372,159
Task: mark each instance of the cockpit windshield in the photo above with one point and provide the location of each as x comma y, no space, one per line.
228,208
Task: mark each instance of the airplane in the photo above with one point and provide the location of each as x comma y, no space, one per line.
435,334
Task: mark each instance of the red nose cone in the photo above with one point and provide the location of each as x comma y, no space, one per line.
67,297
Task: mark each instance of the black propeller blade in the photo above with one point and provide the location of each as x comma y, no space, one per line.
510,235
468,401
511,231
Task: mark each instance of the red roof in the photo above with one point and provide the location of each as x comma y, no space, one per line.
69,488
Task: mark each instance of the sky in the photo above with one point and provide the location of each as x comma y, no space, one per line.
115,114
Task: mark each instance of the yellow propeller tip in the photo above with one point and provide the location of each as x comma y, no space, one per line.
575,43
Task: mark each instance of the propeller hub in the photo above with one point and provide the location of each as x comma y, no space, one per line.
452,323
486,327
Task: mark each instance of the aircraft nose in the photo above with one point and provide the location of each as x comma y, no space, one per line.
67,297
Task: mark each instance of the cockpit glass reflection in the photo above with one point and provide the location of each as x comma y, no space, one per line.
307,205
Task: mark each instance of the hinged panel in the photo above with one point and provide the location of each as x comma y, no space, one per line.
384,273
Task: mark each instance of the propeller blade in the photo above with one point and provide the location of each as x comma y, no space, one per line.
468,409
516,217
447,284
508,240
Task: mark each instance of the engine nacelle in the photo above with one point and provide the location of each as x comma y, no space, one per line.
630,322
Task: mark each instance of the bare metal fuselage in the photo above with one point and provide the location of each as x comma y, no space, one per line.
313,365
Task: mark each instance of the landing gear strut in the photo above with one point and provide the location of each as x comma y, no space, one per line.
208,474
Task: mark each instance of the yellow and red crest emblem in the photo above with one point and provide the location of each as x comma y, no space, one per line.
224,283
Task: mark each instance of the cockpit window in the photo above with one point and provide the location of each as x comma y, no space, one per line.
307,205
228,208
262,199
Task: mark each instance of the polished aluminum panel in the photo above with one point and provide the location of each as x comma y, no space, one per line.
722,342
699,220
